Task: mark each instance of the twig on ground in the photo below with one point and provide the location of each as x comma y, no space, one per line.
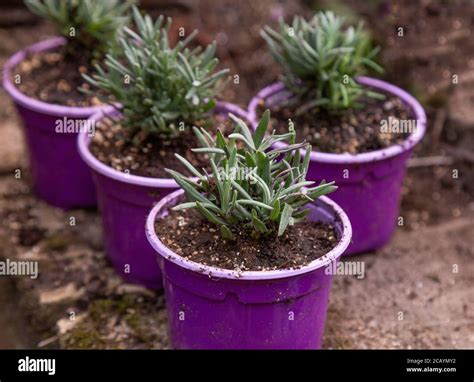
438,160
48,341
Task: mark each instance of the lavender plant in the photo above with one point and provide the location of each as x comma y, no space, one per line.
248,187
161,88
320,59
88,25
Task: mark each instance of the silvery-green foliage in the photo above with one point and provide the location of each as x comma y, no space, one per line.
161,88
88,25
251,184
320,59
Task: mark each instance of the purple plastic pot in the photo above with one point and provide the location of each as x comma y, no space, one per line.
369,183
59,175
124,202
213,308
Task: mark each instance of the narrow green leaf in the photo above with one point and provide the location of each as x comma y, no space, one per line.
208,150
189,166
226,233
297,187
261,128
257,223
285,218
239,188
249,159
263,166
184,206
188,186
213,218
220,141
242,138
255,203
276,210
244,129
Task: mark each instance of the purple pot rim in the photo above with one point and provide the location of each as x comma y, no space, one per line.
347,158
83,141
169,255
32,103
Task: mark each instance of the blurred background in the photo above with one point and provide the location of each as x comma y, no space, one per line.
413,275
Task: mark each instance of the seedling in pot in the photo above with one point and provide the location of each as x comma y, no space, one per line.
162,90
364,149
276,238
321,58
158,91
88,25
270,197
89,28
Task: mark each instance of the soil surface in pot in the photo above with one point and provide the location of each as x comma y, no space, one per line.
376,125
55,77
194,238
114,146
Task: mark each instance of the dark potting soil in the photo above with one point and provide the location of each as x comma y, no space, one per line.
55,77
351,131
191,236
113,145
